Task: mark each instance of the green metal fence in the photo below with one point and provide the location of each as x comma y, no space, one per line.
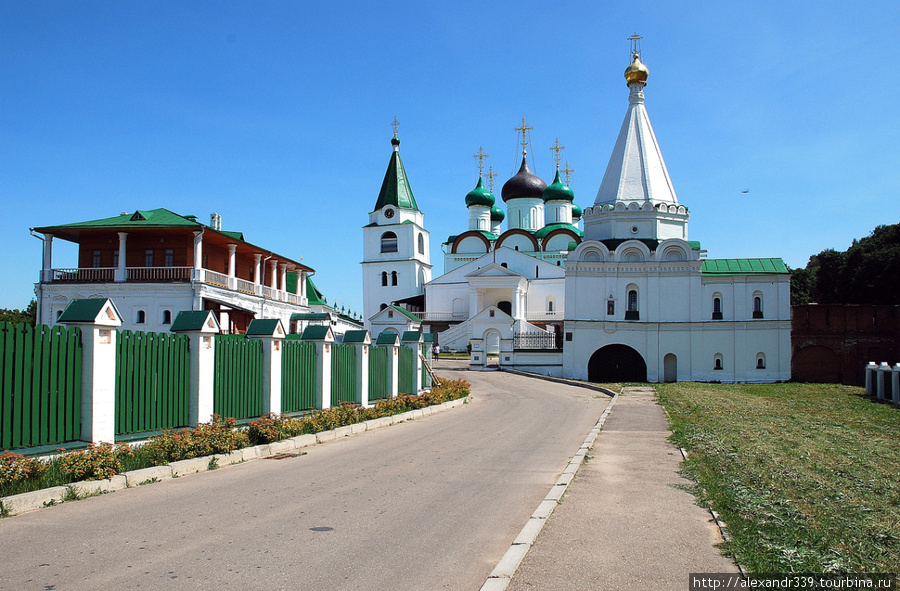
298,376
379,366
343,374
40,377
238,387
407,368
152,381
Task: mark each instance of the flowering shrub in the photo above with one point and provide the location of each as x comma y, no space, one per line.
219,436
98,461
15,468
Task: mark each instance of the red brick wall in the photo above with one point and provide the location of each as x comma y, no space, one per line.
833,343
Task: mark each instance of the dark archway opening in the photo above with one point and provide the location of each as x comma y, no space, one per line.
616,363
506,307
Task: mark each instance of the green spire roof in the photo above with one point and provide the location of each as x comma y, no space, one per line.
558,191
479,195
395,189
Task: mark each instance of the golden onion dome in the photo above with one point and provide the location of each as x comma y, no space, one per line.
637,71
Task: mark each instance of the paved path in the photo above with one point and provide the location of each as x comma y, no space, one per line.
624,523
429,504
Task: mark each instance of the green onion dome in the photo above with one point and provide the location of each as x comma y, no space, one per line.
558,191
395,141
525,184
576,212
479,195
497,214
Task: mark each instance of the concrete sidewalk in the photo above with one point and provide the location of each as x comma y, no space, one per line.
624,523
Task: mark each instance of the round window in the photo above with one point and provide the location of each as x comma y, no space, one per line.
634,229
388,213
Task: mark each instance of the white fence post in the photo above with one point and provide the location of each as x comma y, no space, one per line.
271,333
323,339
883,370
98,320
201,327
871,368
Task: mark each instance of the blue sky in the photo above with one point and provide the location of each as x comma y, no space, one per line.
277,116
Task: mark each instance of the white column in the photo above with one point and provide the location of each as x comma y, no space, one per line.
121,274
302,280
232,263
282,277
517,304
273,275
47,266
203,362
257,268
198,257
98,384
474,308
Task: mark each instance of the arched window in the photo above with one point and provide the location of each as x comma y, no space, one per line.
757,305
717,363
550,305
504,264
388,242
421,244
384,278
717,307
760,361
141,317
631,309
167,317
382,307
393,278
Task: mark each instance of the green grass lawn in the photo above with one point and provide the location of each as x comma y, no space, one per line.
806,476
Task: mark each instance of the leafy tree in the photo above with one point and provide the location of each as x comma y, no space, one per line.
867,273
28,315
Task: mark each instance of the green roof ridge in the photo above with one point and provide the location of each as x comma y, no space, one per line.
743,266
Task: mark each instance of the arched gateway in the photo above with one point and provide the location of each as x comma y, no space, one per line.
617,363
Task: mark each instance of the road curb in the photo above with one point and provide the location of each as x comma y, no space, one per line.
48,497
502,574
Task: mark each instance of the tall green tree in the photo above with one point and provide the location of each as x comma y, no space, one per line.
28,315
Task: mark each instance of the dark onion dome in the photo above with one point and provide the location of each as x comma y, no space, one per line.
479,195
524,185
558,191
497,214
395,141
637,71
576,212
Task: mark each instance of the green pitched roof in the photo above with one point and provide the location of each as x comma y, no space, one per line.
395,189
188,320
743,266
407,313
83,310
315,332
387,338
429,337
309,316
140,218
313,295
411,335
356,336
262,327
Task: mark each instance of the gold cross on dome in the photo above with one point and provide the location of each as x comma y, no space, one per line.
524,129
395,124
557,149
480,156
567,171
635,45
490,175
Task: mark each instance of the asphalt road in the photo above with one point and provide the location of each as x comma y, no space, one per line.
428,504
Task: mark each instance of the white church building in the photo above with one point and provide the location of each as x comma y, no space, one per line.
629,298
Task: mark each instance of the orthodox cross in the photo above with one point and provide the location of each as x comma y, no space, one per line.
567,171
524,129
490,175
480,156
635,45
557,149
395,124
